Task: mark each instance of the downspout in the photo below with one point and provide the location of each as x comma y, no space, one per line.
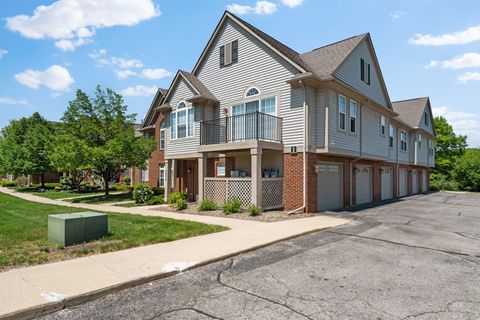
359,155
398,163
305,146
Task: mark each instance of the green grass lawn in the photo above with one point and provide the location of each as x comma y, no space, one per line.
101,199
23,233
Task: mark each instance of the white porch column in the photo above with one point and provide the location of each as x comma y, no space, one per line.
256,164
202,173
174,174
168,180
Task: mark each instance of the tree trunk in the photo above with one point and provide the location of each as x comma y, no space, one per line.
42,180
106,180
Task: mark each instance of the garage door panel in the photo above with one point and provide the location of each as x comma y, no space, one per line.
387,183
414,181
402,177
330,186
424,180
363,184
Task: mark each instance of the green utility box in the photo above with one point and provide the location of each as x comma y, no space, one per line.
79,227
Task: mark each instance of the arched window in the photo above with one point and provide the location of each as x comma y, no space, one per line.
181,121
251,92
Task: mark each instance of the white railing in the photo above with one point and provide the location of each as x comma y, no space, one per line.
272,193
222,189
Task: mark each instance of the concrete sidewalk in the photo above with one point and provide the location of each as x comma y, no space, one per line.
27,292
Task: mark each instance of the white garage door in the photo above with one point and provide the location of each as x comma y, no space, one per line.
363,184
402,178
424,180
330,186
387,183
414,181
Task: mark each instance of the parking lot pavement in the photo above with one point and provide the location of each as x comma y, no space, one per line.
417,258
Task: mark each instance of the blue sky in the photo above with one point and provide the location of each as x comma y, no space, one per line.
425,48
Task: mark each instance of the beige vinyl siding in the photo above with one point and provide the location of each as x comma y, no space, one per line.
422,152
349,72
257,66
393,151
312,116
412,136
321,102
182,91
339,139
373,143
431,158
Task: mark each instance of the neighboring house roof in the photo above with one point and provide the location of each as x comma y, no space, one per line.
138,130
152,113
323,61
411,111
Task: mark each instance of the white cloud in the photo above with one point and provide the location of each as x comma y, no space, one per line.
155,74
467,60
469,35
261,7
12,101
292,3
3,52
397,15
72,23
469,76
56,78
139,90
465,123
123,74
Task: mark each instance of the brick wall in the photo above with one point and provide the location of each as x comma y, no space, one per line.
157,156
292,181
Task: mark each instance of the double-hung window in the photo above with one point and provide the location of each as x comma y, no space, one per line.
419,139
182,121
430,147
342,112
162,135
353,116
390,140
161,176
382,124
403,140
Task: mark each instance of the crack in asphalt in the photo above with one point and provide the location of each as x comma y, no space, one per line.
456,254
446,309
230,265
185,309
410,221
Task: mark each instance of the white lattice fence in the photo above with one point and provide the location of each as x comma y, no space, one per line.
222,189
240,189
216,190
272,193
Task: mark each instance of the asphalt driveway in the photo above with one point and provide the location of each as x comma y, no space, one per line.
417,258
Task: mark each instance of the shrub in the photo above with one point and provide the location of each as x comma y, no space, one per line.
232,206
207,205
21,181
142,193
5,183
155,200
442,182
158,190
66,183
254,210
466,171
87,186
434,188
122,187
127,180
175,196
181,204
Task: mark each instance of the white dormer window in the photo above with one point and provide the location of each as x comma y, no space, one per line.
251,92
382,125
181,121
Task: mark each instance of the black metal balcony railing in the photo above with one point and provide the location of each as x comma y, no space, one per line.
250,126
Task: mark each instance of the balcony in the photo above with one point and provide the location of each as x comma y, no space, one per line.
241,128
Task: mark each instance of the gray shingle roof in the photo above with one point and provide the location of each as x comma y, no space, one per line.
410,111
199,86
323,61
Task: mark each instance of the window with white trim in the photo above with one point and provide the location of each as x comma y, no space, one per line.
342,112
161,175
353,116
163,126
181,121
382,124
430,147
251,92
221,169
403,140
390,139
419,139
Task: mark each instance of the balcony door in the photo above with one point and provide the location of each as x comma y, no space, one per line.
245,119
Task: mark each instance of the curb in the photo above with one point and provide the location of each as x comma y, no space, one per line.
48,308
